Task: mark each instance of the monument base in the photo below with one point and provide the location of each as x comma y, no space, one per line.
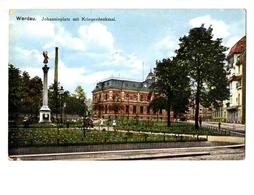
45,115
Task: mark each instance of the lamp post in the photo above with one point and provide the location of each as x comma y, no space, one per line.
64,106
61,92
128,98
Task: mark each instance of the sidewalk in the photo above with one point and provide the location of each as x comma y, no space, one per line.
229,126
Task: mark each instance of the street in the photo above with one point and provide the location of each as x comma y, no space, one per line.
226,152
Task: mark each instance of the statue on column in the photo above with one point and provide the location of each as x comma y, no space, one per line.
45,55
45,115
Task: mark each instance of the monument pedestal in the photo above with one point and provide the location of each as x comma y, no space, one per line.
45,116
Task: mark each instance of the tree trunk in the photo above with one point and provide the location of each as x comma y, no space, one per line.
168,113
197,101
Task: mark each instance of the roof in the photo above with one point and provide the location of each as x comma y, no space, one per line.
121,83
239,47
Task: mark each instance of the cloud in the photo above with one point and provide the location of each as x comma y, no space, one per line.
166,46
31,29
168,42
25,57
220,29
94,37
92,57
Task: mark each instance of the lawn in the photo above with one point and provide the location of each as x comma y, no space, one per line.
75,136
160,126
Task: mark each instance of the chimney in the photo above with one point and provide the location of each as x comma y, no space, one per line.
56,66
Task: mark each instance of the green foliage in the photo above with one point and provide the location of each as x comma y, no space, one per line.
32,95
75,105
53,98
158,103
25,93
160,127
74,136
15,92
172,83
80,93
204,59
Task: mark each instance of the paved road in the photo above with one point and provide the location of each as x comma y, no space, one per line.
230,152
220,154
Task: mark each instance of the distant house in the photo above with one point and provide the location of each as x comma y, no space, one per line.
116,97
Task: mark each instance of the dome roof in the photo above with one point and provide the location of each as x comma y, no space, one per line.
149,76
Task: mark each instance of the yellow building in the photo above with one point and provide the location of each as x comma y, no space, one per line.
235,106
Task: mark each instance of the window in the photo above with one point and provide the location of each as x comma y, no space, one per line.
135,98
127,109
134,109
141,97
238,84
148,110
141,109
127,97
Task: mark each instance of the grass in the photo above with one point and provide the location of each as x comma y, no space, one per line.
176,128
75,136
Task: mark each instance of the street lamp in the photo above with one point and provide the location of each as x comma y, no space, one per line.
61,92
128,98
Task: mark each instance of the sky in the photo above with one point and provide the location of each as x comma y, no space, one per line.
127,47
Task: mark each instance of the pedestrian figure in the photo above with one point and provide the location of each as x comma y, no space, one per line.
114,124
101,123
219,125
26,122
200,121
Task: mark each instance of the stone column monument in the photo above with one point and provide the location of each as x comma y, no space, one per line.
45,115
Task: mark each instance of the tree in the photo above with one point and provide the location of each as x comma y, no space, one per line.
157,104
75,103
35,93
170,81
54,100
80,93
32,94
15,92
25,94
204,58
181,102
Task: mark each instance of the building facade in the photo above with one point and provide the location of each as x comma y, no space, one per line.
115,97
236,65
233,110
204,113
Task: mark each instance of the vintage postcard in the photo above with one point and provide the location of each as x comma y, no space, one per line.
127,84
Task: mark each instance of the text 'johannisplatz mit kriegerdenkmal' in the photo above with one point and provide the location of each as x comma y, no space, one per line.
65,19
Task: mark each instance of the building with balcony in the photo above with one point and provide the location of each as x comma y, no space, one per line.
116,97
236,65
233,110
